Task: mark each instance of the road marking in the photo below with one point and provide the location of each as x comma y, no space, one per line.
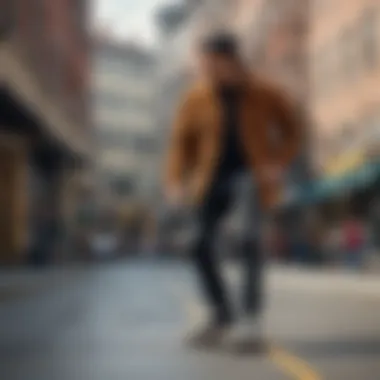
324,284
289,364
292,365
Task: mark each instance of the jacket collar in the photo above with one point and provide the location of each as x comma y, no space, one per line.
251,86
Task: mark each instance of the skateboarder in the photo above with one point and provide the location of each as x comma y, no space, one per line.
230,125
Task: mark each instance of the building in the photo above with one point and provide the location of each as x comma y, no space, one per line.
345,69
344,56
123,103
45,129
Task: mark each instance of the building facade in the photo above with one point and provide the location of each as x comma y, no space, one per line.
345,72
45,128
124,83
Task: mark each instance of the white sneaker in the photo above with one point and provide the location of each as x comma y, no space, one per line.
247,337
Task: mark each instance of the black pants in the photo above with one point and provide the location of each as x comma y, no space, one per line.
216,205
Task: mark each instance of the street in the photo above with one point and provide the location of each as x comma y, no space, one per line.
126,321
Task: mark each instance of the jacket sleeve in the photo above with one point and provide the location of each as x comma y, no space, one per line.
288,120
180,144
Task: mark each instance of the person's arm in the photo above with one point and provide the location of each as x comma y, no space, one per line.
288,121
180,149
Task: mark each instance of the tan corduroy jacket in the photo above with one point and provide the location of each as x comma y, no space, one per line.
269,132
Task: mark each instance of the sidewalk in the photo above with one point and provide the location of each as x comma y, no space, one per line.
16,283
319,280
22,282
325,280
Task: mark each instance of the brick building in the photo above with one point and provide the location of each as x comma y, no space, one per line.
344,55
45,129
124,76
345,71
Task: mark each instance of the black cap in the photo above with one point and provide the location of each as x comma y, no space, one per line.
222,43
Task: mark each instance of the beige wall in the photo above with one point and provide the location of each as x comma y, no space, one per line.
267,30
345,101
246,20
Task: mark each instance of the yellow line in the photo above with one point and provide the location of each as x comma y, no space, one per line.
288,363
297,368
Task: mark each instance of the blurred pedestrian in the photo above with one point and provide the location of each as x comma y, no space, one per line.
232,124
299,243
375,225
279,244
354,242
334,241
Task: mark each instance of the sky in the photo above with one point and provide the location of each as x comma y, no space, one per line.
130,19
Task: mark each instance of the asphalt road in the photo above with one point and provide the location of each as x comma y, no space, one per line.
126,321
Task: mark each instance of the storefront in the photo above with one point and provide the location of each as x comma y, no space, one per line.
346,186
34,173
13,201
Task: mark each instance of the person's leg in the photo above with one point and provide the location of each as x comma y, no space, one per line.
253,265
207,265
252,256
248,335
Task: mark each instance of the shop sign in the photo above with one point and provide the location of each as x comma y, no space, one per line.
345,163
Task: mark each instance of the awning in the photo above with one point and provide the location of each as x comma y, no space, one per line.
336,186
331,187
346,163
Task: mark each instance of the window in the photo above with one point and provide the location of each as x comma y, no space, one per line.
144,144
369,35
78,14
347,136
348,54
115,139
7,16
316,64
371,126
123,186
110,100
324,77
110,64
376,125
321,6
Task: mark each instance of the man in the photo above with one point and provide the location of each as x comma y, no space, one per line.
229,125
